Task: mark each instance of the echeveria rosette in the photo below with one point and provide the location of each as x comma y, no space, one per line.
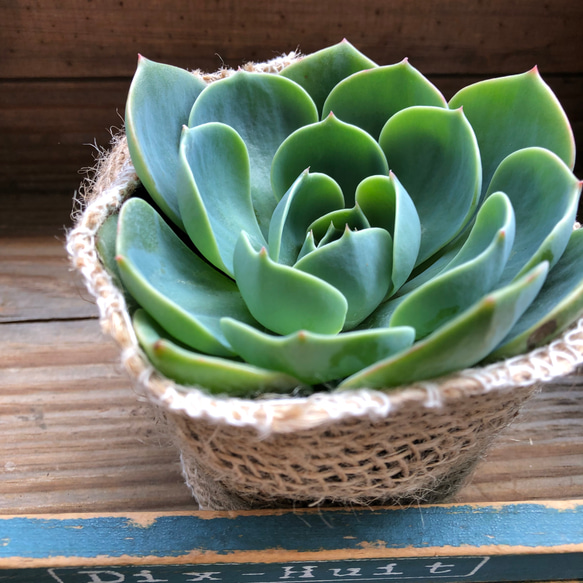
340,224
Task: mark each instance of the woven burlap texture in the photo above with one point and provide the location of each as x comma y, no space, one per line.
414,444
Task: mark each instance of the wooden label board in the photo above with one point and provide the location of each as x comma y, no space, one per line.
446,543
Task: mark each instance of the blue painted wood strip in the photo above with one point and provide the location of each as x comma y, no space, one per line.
224,536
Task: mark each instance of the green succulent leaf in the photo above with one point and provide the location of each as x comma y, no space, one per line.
474,272
310,196
461,343
214,194
331,226
308,246
367,99
264,110
217,375
559,303
316,358
343,151
158,105
358,265
515,112
284,299
434,154
544,194
387,205
319,72
105,241
177,288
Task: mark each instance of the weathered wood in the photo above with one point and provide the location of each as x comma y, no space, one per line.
503,542
76,436
37,283
73,38
50,131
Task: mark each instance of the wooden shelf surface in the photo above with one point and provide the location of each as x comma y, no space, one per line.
77,438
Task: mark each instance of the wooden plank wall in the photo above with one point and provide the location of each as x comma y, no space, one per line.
65,66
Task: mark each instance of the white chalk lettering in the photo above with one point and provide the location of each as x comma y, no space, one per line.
438,568
147,577
305,573
208,576
388,570
96,576
351,572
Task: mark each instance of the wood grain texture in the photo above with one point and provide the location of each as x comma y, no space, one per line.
80,38
76,437
36,282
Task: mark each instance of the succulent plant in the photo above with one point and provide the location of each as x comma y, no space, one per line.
341,225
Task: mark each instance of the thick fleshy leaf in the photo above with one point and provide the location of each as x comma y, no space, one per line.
387,205
475,272
182,292
319,72
559,303
105,244
285,299
310,196
214,194
316,358
216,375
308,246
515,112
465,247
158,105
461,343
434,154
367,99
263,109
331,226
359,265
544,194
343,151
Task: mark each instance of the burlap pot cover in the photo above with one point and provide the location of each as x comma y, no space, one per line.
414,444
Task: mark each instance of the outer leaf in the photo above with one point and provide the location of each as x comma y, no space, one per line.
367,99
461,343
559,303
217,375
515,112
466,248
359,265
316,358
544,194
344,152
105,243
319,72
214,194
309,197
263,109
447,295
284,299
387,205
177,288
435,155
158,105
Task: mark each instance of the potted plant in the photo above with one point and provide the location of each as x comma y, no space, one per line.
336,285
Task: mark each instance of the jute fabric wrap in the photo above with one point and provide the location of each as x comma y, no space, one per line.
413,444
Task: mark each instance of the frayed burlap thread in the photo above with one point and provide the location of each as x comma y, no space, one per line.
409,445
